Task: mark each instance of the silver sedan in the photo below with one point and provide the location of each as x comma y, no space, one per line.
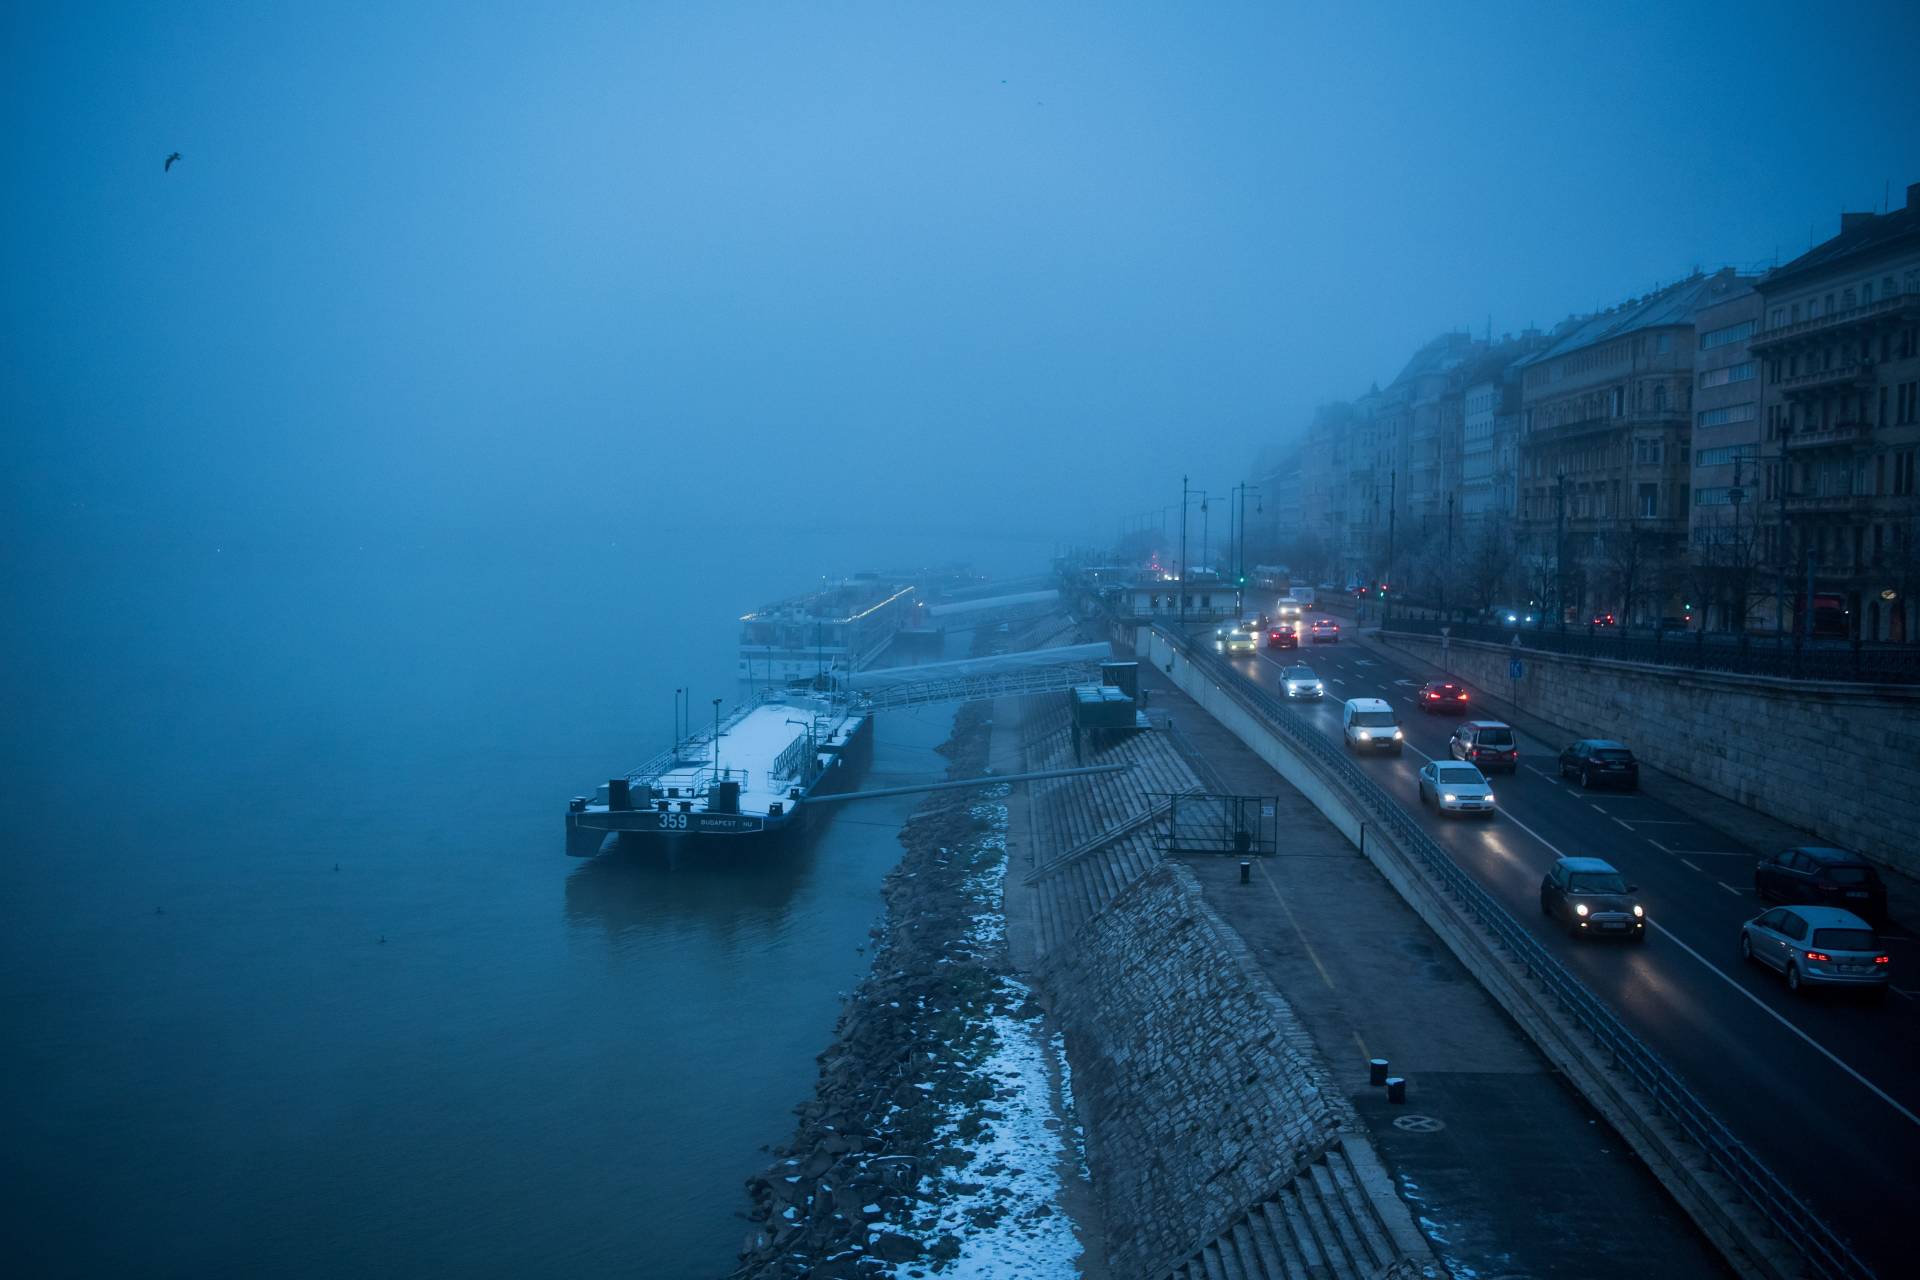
1453,787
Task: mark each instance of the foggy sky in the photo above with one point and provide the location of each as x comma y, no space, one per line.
481,271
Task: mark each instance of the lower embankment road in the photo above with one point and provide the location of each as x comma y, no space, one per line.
1825,1090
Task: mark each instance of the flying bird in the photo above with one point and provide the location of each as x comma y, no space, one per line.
169,164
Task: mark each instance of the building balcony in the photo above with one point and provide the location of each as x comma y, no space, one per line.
1857,374
1894,308
1839,435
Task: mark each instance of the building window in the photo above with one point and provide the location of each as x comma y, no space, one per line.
1663,344
1724,455
1710,497
1742,372
1732,333
1733,413
1649,501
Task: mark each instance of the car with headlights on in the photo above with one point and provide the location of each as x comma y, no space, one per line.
1514,616
1369,725
1818,947
1824,877
1601,762
1592,900
1324,631
1231,640
1301,682
1487,745
1443,695
1282,635
1455,788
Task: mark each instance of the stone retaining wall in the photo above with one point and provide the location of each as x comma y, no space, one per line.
1200,1092
1840,760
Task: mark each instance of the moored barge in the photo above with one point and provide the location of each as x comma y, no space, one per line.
748,780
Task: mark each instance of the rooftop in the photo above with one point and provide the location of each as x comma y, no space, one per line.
1860,234
1673,305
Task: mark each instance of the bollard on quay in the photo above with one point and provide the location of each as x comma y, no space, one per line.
1376,1071
1396,1089
1246,872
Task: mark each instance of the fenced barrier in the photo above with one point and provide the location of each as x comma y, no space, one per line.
1790,659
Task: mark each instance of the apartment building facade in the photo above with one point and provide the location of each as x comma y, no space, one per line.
1605,475
1839,346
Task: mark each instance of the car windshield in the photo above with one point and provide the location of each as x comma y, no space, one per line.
1496,737
1596,882
1458,773
1846,875
1373,719
1613,754
1301,673
1843,939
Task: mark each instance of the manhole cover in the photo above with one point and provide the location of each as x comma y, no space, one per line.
1419,1124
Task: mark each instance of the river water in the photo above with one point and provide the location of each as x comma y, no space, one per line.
298,980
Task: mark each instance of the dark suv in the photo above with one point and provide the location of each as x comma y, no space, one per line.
1599,762
1487,743
1817,877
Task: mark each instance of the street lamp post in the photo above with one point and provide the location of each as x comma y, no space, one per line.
1239,509
1780,558
1560,548
1393,504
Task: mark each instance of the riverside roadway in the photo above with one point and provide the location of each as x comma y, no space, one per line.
1825,1090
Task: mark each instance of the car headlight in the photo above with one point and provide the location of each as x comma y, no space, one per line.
1489,797
1365,736
1449,797
1639,910
1580,909
1396,735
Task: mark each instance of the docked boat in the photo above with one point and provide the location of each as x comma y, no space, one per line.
818,638
747,780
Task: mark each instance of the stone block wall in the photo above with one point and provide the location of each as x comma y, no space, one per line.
1199,1090
1839,760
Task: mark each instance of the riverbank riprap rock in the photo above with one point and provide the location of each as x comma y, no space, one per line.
939,1132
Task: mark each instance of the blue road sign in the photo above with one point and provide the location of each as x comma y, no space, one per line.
1516,669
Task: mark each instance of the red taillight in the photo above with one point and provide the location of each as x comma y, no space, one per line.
1817,955
1880,960
1463,697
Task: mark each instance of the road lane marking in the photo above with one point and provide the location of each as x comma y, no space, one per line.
1685,863
1663,822
1596,808
1656,844
1758,1003
1623,822
1730,889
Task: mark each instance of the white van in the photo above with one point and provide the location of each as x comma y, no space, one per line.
1370,726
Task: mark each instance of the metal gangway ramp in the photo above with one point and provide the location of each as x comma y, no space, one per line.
972,679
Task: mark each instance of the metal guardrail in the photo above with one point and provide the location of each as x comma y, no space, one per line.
1698,650
1827,1254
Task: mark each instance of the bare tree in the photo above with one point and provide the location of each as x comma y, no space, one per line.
1490,565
